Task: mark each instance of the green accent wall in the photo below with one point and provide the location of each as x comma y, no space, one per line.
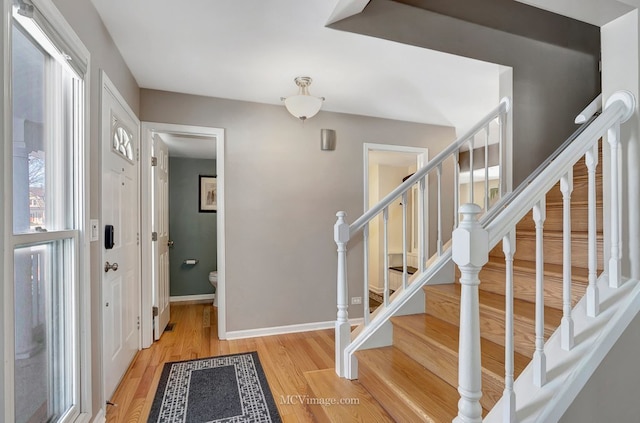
193,233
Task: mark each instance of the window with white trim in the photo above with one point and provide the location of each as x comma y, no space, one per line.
48,109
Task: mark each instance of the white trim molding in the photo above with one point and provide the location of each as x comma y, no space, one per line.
49,21
185,298
280,330
6,193
100,417
148,129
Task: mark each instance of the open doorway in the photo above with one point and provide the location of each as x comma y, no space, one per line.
194,224
386,167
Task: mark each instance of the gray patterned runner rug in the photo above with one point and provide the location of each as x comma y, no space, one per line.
229,388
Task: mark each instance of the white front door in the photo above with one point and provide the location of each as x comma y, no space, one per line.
120,237
161,228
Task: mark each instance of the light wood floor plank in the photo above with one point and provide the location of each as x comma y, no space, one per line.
284,358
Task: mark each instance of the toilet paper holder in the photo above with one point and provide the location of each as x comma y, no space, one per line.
191,262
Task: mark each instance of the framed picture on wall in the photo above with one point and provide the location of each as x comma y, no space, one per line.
208,194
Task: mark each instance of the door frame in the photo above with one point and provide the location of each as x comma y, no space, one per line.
422,158
148,128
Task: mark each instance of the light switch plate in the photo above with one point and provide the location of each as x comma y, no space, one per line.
95,231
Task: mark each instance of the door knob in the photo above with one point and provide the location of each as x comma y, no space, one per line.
108,267
170,244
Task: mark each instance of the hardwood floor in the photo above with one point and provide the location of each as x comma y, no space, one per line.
284,358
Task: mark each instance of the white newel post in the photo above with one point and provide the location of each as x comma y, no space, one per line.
613,138
343,331
470,251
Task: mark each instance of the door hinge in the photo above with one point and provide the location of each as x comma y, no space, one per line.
154,236
155,311
154,161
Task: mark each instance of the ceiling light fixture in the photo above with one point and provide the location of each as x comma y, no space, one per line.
303,105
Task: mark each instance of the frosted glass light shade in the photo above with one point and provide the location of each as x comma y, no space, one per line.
303,106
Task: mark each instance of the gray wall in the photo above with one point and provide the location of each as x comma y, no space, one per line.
282,194
193,233
554,76
87,24
611,395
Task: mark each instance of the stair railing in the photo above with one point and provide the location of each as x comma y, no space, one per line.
472,241
343,232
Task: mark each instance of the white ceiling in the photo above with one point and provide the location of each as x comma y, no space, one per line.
595,12
251,50
195,147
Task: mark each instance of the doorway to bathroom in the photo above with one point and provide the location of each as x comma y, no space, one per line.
183,221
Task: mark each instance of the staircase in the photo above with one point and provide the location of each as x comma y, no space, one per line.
457,357
425,346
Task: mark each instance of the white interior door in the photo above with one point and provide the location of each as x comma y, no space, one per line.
121,260
161,228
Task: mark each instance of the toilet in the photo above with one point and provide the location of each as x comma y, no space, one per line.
213,279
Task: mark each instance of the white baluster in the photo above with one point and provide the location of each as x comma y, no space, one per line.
471,181
405,275
343,330
509,397
422,226
566,187
502,123
470,251
439,173
615,273
539,357
593,297
456,190
365,236
486,169
385,248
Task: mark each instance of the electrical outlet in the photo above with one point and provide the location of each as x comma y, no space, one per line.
356,300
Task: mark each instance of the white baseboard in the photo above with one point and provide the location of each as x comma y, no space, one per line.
183,298
280,330
100,417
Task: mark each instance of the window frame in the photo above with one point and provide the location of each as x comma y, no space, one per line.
51,22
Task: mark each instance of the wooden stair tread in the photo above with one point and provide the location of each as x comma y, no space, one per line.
327,384
575,235
430,328
574,203
428,396
578,274
521,308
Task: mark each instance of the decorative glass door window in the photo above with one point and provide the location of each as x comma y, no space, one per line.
48,110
